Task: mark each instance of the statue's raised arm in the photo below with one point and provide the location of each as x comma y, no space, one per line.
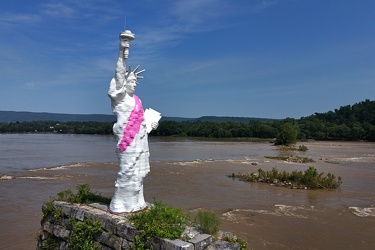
117,86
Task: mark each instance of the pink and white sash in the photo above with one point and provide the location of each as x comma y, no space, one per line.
132,126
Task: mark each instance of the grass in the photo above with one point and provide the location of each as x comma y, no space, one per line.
302,148
332,162
309,179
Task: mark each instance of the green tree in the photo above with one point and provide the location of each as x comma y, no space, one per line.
288,133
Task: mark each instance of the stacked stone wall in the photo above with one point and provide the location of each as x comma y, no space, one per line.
116,231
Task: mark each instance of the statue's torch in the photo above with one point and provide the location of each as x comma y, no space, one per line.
126,36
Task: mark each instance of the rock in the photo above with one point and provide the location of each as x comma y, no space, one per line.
222,245
6,177
201,241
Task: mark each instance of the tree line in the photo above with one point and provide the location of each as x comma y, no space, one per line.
351,122
92,127
356,122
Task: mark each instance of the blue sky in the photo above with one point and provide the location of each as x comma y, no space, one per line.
246,58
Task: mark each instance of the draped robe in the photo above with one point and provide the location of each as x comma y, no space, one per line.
132,151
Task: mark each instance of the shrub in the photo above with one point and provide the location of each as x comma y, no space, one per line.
208,221
51,213
236,239
82,234
84,195
52,242
302,148
159,221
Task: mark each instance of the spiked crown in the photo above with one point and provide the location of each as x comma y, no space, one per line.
136,73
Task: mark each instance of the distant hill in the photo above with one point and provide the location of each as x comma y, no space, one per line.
232,119
15,116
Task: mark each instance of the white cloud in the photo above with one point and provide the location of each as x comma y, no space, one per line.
30,85
58,9
18,18
194,13
264,4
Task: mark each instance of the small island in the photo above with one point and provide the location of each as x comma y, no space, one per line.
309,179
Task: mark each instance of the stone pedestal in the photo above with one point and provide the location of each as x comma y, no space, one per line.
116,231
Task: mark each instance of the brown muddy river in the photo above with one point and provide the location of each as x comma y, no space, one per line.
267,217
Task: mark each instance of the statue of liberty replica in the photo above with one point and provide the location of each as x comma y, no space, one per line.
131,131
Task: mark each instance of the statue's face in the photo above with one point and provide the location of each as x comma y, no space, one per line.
131,84
125,43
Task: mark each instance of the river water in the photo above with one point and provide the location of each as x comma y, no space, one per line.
191,174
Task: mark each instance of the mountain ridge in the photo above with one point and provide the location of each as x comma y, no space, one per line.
25,116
